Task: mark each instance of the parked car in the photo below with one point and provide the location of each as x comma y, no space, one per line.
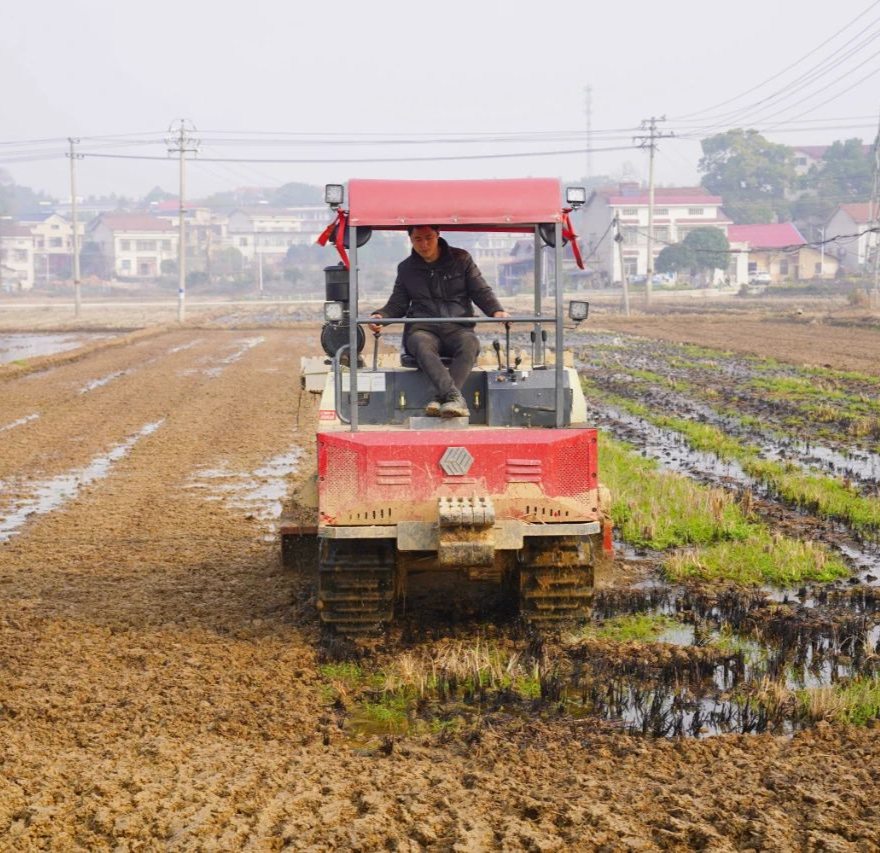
759,278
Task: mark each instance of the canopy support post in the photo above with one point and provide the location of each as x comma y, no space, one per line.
560,347
538,350
352,325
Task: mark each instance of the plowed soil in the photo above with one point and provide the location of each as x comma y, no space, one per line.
842,342
160,680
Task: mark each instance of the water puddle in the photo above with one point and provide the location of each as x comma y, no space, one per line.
99,383
259,493
19,422
21,347
45,496
219,365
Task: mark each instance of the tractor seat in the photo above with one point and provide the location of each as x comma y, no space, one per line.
406,360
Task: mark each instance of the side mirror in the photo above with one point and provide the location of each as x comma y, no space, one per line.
578,311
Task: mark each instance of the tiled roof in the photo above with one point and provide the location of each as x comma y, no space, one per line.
858,211
134,222
15,231
766,235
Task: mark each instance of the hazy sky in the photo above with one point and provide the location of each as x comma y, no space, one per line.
95,67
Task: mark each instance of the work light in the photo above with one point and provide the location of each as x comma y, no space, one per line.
334,194
333,311
578,311
575,196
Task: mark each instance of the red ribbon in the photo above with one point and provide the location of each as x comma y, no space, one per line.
568,233
339,242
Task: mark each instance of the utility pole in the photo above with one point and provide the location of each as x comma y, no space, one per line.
649,141
588,109
77,292
618,238
180,145
874,215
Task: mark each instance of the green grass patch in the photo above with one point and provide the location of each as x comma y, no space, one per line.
660,510
826,496
855,702
635,628
762,558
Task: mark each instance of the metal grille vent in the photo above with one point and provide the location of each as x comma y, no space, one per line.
394,472
524,471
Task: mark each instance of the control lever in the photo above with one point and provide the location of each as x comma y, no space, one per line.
507,346
496,345
376,350
517,361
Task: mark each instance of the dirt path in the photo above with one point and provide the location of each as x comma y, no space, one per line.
159,669
795,341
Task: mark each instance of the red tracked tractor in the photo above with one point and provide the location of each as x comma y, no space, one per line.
510,494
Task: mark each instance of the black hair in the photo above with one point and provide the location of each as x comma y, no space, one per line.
411,228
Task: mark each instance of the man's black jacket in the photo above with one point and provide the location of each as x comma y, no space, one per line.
446,288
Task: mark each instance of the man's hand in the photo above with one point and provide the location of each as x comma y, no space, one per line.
502,314
375,328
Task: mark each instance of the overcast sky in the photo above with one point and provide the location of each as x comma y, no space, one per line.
96,67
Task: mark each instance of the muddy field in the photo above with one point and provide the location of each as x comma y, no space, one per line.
164,683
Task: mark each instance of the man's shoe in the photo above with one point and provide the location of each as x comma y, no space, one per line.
454,406
432,410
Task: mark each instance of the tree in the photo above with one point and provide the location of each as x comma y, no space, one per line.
296,194
710,248
750,173
845,174
168,267
158,194
676,258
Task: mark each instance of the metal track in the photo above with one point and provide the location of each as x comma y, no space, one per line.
556,581
356,585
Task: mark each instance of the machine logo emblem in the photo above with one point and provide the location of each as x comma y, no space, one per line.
456,461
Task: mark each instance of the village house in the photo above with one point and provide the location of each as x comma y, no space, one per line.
16,256
133,245
53,244
775,252
677,212
268,232
206,231
848,228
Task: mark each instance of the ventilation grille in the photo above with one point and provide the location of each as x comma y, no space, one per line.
393,472
524,471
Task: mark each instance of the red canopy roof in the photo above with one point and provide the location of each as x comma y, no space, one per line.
504,204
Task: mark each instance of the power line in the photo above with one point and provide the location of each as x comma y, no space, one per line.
778,74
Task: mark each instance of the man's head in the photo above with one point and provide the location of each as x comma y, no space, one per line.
425,241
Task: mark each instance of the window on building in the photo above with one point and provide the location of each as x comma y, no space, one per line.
695,211
54,227
800,161
753,267
125,245
21,255
56,243
166,245
661,234
783,267
631,266
242,241
661,211
630,236
629,211
818,268
146,245
40,243
125,264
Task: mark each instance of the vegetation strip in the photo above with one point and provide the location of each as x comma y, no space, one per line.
826,496
662,510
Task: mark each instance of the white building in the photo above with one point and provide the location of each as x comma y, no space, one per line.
677,212
16,256
133,245
53,244
270,231
847,226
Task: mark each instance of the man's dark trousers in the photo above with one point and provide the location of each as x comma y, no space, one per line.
426,345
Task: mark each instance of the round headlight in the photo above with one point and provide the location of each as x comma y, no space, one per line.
333,311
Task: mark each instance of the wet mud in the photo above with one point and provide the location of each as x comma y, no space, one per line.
164,683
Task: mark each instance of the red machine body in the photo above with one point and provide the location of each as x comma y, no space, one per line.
383,478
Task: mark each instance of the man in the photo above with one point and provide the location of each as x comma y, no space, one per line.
437,280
